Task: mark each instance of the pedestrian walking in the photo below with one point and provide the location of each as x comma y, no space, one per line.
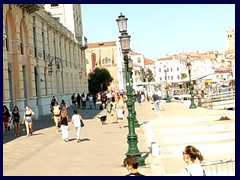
94,101
109,108
139,98
156,100
56,116
27,120
120,116
53,100
83,100
74,100
103,99
64,124
6,119
63,105
131,164
90,101
192,157
78,100
16,119
76,120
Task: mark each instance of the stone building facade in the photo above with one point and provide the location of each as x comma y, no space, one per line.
41,59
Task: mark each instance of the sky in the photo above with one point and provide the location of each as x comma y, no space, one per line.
160,29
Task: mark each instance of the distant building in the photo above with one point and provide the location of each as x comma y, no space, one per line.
107,55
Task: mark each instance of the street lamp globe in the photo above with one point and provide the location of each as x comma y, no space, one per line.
122,23
125,42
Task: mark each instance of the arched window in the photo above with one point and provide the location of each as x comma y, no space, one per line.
106,61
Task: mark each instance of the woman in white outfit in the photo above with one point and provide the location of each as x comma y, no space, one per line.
193,168
27,119
76,118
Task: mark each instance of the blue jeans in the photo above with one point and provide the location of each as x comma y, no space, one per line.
156,103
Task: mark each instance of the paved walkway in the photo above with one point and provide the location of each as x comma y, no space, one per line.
101,153
179,126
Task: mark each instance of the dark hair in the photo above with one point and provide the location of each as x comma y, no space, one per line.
15,107
132,161
4,106
75,111
64,113
193,153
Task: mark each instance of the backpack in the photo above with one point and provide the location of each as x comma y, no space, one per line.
56,110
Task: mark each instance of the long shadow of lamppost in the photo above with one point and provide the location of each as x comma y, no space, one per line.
132,138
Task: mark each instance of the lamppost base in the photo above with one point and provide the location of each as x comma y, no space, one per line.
192,106
168,101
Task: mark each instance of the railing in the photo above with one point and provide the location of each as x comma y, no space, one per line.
218,99
220,168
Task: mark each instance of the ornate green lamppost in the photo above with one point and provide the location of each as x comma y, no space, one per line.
168,98
191,87
132,138
130,67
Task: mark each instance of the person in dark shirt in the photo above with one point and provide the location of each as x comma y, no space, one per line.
131,164
16,119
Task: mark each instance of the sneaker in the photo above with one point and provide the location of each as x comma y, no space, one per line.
66,140
78,141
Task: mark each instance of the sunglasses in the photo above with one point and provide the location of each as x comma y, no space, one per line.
184,153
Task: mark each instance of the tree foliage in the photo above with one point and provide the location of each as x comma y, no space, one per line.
183,75
99,80
147,75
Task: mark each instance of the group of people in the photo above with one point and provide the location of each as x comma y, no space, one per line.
61,119
191,155
84,101
15,117
113,107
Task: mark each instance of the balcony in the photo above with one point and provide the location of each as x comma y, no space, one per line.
30,8
82,41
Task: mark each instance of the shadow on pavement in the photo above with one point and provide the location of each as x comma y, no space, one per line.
46,121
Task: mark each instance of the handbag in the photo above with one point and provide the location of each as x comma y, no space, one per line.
81,123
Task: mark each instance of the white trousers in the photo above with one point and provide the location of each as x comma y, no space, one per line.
77,130
64,130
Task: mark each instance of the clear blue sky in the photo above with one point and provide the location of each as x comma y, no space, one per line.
160,29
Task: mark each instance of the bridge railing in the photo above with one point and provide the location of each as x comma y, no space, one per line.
209,101
220,168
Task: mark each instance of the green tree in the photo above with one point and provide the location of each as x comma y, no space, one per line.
183,75
147,75
99,80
